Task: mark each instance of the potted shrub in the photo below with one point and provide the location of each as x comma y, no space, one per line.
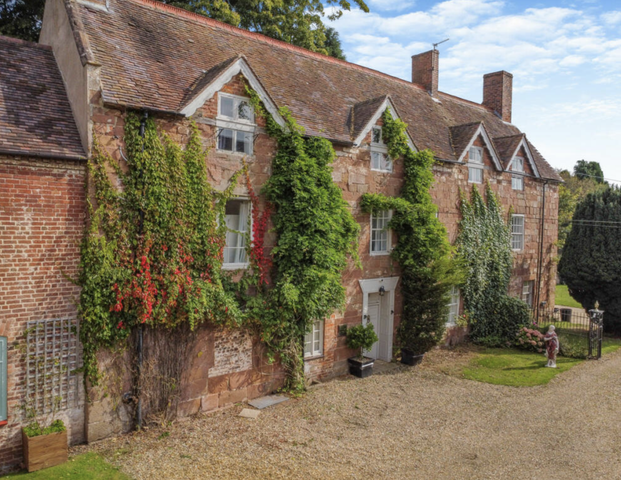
361,338
44,446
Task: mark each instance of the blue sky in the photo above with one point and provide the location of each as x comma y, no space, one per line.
565,57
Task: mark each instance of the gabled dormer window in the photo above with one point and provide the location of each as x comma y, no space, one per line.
475,165
235,122
380,161
517,181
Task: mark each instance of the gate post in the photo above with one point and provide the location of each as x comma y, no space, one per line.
596,332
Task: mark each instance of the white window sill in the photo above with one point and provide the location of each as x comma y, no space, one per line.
313,357
517,250
229,123
379,254
477,183
381,171
237,154
235,266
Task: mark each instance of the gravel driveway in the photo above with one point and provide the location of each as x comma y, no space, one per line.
409,424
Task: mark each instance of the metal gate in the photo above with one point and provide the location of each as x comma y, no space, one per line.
580,333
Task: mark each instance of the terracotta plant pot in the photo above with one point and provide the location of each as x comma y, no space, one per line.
44,451
408,358
361,368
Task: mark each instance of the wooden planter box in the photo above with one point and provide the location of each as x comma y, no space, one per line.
45,450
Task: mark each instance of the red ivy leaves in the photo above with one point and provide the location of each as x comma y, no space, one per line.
260,221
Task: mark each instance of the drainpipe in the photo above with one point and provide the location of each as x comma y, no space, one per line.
540,264
143,124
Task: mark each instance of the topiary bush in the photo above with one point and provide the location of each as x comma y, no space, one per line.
361,338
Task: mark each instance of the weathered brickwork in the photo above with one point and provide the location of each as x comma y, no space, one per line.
42,211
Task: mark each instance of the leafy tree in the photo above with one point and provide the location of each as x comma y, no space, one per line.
591,262
333,44
21,18
570,193
584,169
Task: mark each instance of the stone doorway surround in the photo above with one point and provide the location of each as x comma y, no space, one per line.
371,286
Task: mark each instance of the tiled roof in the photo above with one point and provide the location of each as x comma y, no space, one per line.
362,112
153,54
461,135
506,147
35,115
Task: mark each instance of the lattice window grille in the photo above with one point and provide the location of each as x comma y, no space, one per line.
52,358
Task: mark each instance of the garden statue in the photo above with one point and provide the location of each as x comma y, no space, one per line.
551,340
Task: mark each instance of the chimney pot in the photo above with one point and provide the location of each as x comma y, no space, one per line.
498,93
425,70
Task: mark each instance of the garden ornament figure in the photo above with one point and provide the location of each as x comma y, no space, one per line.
551,340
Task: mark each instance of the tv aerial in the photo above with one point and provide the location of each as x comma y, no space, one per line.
435,45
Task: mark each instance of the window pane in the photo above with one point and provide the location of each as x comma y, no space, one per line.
377,135
236,215
225,139
244,142
227,107
386,164
517,183
518,164
244,111
475,155
376,160
379,232
475,175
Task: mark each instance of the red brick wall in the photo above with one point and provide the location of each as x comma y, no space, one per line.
42,211
353,174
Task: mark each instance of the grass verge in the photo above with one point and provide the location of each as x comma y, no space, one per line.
88,466
514,368
564,299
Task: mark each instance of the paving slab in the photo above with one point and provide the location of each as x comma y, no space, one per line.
249,413
267,401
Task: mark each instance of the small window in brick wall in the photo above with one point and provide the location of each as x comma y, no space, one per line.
237,215
3,380
517,232
380,161
527,292
313,341
517,181
475,165
235,122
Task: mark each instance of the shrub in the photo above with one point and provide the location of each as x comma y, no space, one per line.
361,338
530,339
34,429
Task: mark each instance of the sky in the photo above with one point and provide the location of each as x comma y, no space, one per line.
565,57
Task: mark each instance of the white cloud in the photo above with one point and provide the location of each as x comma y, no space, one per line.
612,18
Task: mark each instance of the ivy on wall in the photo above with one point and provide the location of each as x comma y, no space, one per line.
484,247
428,269
152,253
316,237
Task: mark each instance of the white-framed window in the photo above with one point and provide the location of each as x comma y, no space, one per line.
517,232
380,161
527,292
453,307
517,181
475,165
235,122
237,215
313,341
380,233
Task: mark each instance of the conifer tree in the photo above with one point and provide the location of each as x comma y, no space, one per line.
591,262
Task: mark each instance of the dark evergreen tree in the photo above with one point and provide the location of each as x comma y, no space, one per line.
584,169
591,262
21,18
333,44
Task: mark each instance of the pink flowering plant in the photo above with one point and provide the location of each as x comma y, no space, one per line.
530,339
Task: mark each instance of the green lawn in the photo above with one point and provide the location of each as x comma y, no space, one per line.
88,466
564,298
515,368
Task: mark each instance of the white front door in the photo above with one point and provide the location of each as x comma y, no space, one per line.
379,314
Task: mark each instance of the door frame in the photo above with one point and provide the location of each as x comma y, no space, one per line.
372,285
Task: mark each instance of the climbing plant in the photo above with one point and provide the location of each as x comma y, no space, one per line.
484,247
316,236
153,250
428,268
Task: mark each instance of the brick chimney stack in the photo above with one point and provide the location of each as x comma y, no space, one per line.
425,70
498,93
